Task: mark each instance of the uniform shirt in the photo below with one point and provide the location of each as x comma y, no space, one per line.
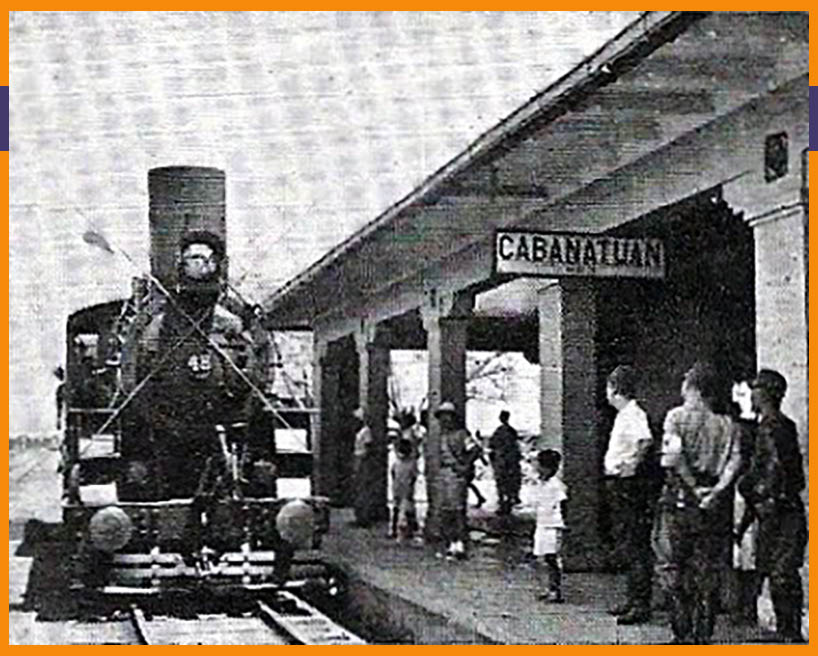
777,470
630,439
548,497
708,440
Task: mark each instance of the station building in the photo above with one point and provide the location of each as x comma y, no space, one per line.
653,201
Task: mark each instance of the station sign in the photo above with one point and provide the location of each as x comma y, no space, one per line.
558,254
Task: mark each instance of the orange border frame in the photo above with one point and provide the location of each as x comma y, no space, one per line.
758,6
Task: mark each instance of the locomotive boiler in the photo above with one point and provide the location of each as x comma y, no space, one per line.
169,452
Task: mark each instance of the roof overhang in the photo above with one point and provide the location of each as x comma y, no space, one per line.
664,76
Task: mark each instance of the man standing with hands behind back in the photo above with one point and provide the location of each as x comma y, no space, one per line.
628,447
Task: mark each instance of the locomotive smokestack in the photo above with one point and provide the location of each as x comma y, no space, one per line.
187,204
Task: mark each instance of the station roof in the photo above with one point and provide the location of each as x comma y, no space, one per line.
664,76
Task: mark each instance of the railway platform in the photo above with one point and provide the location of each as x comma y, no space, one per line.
406,592
397,593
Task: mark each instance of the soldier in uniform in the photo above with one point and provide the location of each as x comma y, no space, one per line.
701,454
773,489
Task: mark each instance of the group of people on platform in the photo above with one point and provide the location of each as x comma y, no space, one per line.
715,487
724,486
460,453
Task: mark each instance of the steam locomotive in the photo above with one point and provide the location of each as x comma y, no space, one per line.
169,459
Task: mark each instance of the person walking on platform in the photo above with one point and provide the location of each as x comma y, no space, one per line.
404,473
549,496
362,452
773,489
701,453
629,492
505,460
455,464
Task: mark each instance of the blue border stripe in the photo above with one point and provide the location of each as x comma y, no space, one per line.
813,112
4,101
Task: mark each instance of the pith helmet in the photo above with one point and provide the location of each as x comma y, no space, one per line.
446,406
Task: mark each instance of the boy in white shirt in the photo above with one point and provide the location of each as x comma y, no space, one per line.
549,496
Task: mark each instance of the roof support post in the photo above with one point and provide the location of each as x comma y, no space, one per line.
568,375
781,292
778,213
325,379
446,320
373,359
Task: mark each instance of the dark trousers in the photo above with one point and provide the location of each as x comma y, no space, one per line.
508,478
782,539
744,590
691,571
632,522
453,525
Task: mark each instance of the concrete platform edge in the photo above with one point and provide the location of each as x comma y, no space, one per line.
383,612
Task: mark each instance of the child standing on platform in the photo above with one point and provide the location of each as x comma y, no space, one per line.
550,494
404,476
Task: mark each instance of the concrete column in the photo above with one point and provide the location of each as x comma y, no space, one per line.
373,358
781,313
567,316
779,215
324,442
445,319
778,212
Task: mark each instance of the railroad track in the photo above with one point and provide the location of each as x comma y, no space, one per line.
280,619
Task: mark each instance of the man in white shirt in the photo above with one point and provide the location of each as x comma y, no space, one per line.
628,491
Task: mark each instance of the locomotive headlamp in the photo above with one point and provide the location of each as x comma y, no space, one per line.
199,261
296,523
110,529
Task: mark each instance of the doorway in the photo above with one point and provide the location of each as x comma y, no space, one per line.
704,309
